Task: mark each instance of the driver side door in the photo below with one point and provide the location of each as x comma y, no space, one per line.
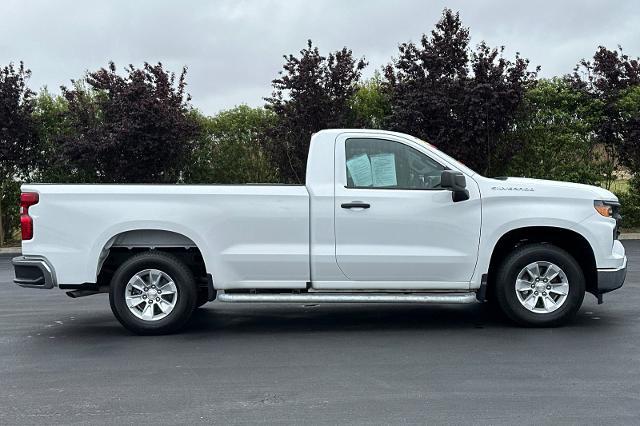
394,226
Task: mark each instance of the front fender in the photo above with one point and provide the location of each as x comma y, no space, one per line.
489,240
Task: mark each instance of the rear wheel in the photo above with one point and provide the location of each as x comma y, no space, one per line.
153,293
540,285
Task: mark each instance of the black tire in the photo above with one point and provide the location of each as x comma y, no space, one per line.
174,268
508,273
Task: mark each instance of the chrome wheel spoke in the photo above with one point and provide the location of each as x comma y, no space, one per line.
138,283
560,288
531,286
523,285
164,305
135,300
154,280
531,301
169,285
147,311
144,292
551,272
534,270
549,303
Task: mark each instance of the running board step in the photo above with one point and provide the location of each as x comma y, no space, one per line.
445,298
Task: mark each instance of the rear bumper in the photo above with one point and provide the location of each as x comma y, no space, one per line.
34,272
611,279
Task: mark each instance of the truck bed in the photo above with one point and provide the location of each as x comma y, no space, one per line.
250,235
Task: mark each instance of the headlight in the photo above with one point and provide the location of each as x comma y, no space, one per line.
605,208
610,209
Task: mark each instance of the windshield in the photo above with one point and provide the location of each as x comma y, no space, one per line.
446,157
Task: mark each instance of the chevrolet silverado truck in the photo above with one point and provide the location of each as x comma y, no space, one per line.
383,218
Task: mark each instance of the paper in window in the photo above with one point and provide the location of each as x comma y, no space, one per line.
360,170
383,167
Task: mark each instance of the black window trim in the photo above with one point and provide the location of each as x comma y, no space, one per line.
390,188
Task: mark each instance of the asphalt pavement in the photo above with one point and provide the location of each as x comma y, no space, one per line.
69,361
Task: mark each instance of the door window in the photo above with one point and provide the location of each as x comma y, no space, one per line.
379,163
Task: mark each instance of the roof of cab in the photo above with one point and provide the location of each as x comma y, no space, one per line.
371,131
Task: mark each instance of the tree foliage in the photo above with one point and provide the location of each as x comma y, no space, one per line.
370,104
132,128
612,77
629,107
229,148
313,92
460,100
554,128
18,138
50,113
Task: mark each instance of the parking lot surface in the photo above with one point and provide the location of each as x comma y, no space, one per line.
66,360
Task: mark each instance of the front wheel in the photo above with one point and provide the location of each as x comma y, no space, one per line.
153,293
540,285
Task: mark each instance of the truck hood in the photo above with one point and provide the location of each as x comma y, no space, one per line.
559,188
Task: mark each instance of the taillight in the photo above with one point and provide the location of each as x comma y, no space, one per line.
27,199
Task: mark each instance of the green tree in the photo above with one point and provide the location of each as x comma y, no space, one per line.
554,134
312,93
370,103
18,140
50,115
229,148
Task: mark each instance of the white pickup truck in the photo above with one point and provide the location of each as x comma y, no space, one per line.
383,217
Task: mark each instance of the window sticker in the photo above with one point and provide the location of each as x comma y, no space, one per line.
383,167
360,170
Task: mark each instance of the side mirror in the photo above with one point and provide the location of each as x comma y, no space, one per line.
456,182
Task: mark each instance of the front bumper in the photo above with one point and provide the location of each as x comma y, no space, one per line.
611,279
34,272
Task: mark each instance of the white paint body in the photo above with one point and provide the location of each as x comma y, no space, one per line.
281,236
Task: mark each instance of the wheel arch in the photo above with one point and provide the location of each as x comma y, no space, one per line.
573,242
129,241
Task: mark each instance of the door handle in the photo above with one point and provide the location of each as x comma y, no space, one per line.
355,205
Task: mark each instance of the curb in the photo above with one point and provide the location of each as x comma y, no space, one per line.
11,250
630,236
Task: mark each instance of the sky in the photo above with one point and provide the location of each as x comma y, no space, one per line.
233,49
